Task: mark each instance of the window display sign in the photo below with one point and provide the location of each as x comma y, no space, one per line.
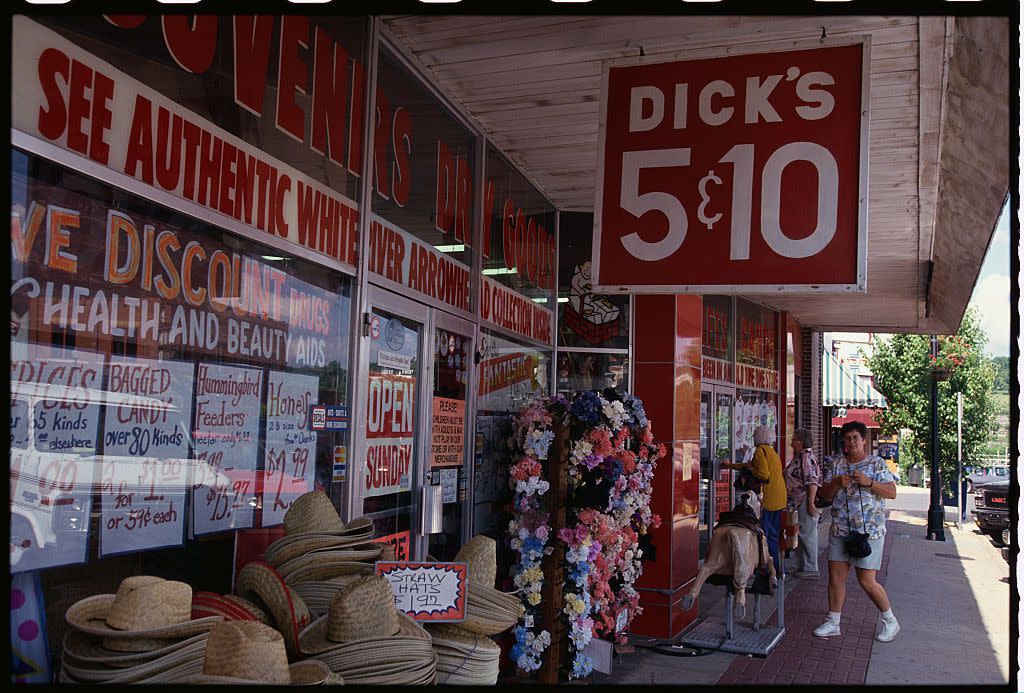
503,307
448,432
225,434
84,105
290,457
435,592
756,164
390,415
400,542
144,470
757,340
59,395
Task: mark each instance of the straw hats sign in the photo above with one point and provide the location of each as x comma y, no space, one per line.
428,591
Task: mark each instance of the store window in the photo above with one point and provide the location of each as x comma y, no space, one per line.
163,373
314,64
511,375
717,339
593,329
757,375
421,234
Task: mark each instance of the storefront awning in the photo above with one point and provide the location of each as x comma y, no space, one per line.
841,388
860,414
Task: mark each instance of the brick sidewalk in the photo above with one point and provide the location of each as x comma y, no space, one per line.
802,658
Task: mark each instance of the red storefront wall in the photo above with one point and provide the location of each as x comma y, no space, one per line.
667,372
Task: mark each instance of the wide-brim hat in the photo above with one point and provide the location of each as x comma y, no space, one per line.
490,611
361,612
259,583
145,607
90,650
293,545
365,551
481,556
327,570
230,606
408,673
182,660
318,594
249,652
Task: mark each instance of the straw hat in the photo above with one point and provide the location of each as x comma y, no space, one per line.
106,672
90,650
247,652
327,570
231,607
481,555
464,658
365,551
260,583
488,610
318,594
312,522
144,607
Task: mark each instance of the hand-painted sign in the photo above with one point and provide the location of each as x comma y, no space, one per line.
144,471
433,592
448,432
390,413
706,166
290,459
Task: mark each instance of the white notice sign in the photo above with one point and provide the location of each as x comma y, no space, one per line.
53,447
290,460
144,470
227,420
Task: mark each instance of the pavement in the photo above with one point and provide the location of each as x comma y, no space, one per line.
952,600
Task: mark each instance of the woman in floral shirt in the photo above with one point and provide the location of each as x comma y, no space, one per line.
802,480
859,483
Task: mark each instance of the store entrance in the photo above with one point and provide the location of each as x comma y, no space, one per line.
418,366
716,418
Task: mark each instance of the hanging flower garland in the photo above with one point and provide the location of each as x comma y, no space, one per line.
610,487
529,530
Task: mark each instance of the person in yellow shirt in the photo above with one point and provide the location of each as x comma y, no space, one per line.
767,466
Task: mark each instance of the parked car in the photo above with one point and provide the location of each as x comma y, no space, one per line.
983,475
991,508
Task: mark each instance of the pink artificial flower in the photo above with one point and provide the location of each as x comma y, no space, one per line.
646,436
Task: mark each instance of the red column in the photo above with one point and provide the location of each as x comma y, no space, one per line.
666,375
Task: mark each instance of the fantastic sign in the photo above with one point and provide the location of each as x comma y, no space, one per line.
733,174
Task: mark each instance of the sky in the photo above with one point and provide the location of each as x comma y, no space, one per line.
992,290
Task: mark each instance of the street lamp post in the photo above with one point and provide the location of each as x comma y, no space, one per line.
936,513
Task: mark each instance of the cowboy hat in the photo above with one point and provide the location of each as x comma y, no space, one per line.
488,610
185,659
260,583
313,522
144,607
318,594
362,612
248,652
366,551
90,650
230,606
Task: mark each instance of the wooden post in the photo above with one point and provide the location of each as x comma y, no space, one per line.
553,565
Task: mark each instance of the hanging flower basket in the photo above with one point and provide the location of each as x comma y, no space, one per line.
941,373
953,353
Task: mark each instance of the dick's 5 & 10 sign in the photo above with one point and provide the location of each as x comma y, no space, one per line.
734,174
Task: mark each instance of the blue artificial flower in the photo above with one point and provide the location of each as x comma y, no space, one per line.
582,665
517,651
586,407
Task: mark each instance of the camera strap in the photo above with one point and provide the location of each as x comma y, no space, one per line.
846,491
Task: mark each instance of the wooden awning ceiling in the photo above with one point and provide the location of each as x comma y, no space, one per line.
939,134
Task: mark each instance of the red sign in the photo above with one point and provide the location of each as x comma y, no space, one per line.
513,311
738,173
390,410
505,371
427,591
401,543
716,369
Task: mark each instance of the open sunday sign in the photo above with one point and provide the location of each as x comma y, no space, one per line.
427,591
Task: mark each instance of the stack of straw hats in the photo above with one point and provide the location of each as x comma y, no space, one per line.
261,585
230,606
146,633
464,658
319,554
248,652
367,640
488,610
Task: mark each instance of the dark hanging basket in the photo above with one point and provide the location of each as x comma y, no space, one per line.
941,373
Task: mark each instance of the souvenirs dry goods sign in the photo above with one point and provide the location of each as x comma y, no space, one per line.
734,173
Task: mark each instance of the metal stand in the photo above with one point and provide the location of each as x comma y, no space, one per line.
728,636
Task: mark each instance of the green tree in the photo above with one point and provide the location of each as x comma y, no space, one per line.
1001,364
902,367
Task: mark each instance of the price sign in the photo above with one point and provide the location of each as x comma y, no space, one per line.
291,444
144,468
227,411
427,591
734,174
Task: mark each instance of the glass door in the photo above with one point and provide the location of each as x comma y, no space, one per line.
716,424
448,452
393,427
723,451
706,503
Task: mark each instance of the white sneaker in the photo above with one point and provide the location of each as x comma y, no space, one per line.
828,629
888,631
